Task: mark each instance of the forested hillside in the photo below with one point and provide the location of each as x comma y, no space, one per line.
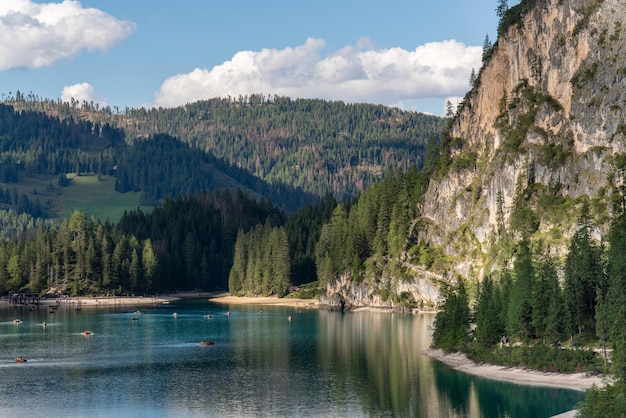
187,243
322,147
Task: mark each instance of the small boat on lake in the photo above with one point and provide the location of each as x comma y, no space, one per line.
207,342
86,332
20,359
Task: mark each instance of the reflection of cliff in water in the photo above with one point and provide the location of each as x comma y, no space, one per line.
381,352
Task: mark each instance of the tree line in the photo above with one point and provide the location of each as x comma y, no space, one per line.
556,319
40,144
261,263
322,147
187,243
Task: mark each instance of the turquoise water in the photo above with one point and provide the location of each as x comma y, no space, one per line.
319,364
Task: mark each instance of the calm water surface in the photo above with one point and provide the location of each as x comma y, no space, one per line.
321,364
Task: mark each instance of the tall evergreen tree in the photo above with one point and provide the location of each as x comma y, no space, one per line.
582,270
489,327
519,320
452,323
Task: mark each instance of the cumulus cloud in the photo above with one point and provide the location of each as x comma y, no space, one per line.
454,102
357,73
36,35
82,92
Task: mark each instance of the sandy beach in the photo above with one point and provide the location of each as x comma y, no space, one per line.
265,300
220,297
107,301
458,361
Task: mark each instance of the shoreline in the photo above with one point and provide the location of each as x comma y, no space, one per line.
226,298
93,301
459,362
164,299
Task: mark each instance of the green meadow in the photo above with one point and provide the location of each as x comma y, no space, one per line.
93,195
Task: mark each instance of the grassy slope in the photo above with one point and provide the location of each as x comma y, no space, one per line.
85,193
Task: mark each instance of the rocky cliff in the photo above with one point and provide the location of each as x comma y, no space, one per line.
542,131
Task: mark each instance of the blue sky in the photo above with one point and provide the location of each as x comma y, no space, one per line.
412,54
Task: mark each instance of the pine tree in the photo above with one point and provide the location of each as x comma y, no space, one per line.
489,328
452,323
149,264
616,295
582,270
519,320
487,48
501,9
546,304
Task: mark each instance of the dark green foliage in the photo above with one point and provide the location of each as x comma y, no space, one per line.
523,218
540,356
520,313
610,401
513,15
162,167
583,268
377,225
306,291
21,203
303,231
186,244
261,262
487,49
602,403
584,75
452,323
547,304
502,8
63,181
314,147
489,326
616,295
48,145
590,9
320,146
527,101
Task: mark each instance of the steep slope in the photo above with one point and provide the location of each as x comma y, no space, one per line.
540,136
542,130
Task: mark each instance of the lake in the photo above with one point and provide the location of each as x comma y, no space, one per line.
319,364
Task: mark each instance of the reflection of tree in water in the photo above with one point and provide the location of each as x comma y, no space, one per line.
381,352
371,361
500,399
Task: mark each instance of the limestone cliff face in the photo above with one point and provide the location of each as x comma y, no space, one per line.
547,118
542,130
419,293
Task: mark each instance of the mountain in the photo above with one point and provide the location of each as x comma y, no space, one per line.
318,147
542,130
540,136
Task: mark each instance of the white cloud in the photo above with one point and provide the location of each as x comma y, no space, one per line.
353,74
455,101
39,34
82,92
